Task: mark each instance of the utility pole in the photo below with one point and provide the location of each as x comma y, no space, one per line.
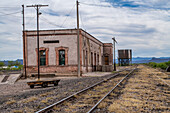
78,45
37,8
114,40
23,33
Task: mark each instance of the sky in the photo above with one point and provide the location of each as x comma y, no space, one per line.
140,25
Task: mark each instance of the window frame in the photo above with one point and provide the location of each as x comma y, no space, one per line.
46,55
57,49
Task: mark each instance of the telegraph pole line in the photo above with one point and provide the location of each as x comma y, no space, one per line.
37,8
114,40
78,43
23,33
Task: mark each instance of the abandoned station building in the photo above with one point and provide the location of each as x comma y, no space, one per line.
58,52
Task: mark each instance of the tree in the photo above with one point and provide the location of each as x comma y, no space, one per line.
17,63
1,64
10,63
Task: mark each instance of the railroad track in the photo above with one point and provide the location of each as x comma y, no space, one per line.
88,98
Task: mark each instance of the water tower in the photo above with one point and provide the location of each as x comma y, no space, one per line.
125,57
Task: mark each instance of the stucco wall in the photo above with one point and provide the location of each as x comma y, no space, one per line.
69,41
108,51
90,44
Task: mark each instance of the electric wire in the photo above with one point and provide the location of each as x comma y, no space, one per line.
81,19
5,14
95,5
10,7
30,20
67,16
62,25
47,21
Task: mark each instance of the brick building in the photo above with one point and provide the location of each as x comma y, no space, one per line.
58,52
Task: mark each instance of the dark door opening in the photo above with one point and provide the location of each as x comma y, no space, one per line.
106,60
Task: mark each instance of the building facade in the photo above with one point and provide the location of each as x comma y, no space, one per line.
58,52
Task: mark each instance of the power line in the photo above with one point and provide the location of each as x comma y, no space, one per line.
30,20
47,21
81,19
95,5
4,14
9,7
67,16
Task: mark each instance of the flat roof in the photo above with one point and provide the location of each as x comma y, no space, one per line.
29,31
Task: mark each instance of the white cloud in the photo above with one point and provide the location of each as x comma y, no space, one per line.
144,29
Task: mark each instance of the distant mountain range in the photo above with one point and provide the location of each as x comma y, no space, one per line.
150,59
136,60
6,61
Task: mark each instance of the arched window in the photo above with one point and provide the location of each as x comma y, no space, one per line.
61,57
42,58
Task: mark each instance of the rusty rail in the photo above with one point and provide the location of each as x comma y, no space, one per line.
71,96
92,109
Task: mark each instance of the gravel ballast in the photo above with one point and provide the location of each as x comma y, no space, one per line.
20,98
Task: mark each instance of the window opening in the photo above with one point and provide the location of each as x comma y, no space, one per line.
62,57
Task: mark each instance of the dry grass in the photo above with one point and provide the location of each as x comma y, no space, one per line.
141,94
11,102
124,72
31,99
29,110
81,105
68,110
46,94
102,105
72,106
44,101
113,94
88,101
56,108
115,107
67,104
17,111
49,98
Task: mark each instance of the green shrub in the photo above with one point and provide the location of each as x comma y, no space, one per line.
167,63
1,64
162,65
20,67
153,64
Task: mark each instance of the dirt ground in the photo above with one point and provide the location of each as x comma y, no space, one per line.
144,92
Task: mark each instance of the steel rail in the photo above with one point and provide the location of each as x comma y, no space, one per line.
162,80
66,98
87,88
109,92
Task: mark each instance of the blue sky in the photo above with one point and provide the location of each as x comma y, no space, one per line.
140,25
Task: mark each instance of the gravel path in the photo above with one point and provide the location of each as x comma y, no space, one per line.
19,98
